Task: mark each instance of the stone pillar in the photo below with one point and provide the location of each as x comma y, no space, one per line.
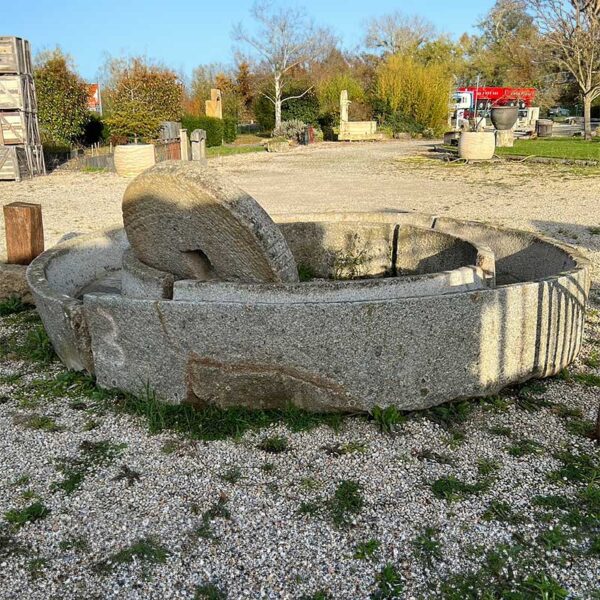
505,138
214,106
344,104
185,144
198,139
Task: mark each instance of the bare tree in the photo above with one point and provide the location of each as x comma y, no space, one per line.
572,32
286,40
398,32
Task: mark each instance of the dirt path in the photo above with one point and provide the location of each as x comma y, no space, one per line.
561,201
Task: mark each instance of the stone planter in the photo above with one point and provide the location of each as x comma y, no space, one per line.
476,145
504,117
132,159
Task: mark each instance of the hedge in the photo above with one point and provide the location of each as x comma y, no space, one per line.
229,130
214,128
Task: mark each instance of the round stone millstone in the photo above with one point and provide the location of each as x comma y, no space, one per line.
185,219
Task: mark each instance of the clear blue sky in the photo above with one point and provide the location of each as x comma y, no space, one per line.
185,33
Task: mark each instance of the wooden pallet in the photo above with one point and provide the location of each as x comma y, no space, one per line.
15,56
19,127
21,162
13,163
17,92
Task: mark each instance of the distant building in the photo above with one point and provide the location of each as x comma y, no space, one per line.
94,98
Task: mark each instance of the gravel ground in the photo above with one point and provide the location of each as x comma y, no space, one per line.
453,505
218,515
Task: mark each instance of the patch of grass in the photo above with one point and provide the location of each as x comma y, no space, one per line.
147,551
554,147
587,379
593,360
30,514
309,508
451,414
93,170
318,595
214,151
529,396
218,510
231,475
576,468
501,431
36,566
92,455
428,546
12,306
594,230
387,419
553,539
389,584
366,550
79,544
268,468
274,445
306,272
499,577
36,421
503,512
525,447
209,591
344,449
36,347
551,502
487,466
347,501
438,457
22,480
310,483
212,423
452,489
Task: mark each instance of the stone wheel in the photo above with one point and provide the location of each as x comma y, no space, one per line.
185,219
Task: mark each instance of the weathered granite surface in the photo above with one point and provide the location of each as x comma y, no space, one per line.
185,219
324,345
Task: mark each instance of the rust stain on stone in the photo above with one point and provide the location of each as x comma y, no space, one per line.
261,386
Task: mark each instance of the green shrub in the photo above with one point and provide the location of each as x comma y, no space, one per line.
214,128
305,109
229,130
62,98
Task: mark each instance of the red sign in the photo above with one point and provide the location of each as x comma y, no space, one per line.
500,96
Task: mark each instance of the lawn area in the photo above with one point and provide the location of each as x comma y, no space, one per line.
569,148
229,150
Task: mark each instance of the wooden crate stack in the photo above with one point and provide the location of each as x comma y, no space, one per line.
21,153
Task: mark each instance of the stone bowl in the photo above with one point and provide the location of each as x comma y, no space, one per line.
504,117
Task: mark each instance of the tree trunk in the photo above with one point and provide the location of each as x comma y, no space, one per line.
587,116
277,103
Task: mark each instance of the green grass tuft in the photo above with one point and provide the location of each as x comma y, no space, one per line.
34,512
147,551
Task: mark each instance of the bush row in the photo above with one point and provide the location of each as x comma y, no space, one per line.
217,130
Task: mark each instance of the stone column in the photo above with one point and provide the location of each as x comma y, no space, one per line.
344,103
185,144
198,139
505,138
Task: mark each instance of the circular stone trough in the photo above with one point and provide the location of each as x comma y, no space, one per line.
399,309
